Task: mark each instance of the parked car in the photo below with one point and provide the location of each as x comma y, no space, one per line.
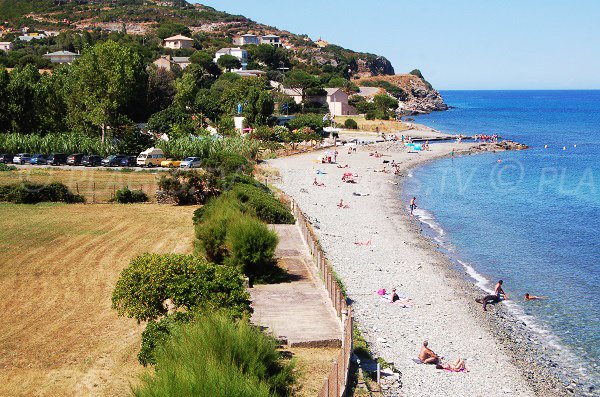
38,159
22,158
129,161
170,163
191,162
6,158
151,157
57,159
113,160
75,159
91,160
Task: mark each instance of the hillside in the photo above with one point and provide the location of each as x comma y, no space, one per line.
415,94
144,17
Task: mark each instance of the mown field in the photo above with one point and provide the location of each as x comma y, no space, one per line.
58,267
95,184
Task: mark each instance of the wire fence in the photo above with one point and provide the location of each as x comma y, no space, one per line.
337,381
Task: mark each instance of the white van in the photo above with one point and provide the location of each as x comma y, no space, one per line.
151,157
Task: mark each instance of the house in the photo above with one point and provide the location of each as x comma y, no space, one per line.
178,42
167,62
250,73
337,100
61,56
321,43
32,36
294,93
271,39
6,46
246,39
237,52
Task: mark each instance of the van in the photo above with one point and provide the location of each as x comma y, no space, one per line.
151,157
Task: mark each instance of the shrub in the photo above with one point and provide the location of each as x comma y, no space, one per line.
351,124
225,164
188,187
252,247
264,205
126,196
212,226
31,193
189,281
156,333
5,167
218,357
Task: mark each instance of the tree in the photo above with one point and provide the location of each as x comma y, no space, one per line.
300,80
102,83
205,61
169,29
384,103
161,89
229,62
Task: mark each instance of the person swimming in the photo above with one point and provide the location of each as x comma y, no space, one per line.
534,298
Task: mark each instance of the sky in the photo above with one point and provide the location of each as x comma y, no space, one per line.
457,44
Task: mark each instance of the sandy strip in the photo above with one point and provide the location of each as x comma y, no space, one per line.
399,256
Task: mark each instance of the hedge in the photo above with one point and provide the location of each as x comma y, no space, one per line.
126,196
31,193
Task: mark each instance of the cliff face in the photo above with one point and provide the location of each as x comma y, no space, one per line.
377,66
416,96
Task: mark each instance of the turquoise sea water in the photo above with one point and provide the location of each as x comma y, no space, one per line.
532,219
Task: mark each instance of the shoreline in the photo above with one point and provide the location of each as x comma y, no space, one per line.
530,376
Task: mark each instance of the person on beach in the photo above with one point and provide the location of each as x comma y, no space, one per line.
317,183
427,356
534,298
457,366
413,205
395,296
452,153
495,298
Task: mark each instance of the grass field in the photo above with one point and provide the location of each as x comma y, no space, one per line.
58,266
95,184
312,366
372,125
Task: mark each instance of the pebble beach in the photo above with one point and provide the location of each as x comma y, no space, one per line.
375,244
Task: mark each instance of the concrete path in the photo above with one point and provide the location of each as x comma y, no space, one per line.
298,311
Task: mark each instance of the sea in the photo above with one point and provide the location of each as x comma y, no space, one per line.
531,217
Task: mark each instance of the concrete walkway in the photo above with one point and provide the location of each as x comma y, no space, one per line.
298,311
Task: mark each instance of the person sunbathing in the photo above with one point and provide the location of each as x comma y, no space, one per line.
534,298
427,356
316,183
457,366
342,205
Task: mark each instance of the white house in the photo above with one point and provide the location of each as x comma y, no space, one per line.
237,52
246,39
6,46
178,42
61,56
271,39
32,36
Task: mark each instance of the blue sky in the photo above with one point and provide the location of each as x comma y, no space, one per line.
457,44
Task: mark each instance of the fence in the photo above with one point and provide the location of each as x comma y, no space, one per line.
337,381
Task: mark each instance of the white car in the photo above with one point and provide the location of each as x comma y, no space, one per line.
191,162
22,158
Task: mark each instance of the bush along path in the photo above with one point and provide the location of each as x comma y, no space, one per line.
199,303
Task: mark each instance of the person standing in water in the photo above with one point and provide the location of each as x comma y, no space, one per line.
413,206
495,298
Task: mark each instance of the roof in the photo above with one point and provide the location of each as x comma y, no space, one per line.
331,91
271,36
248,35
178,37
61,53
292,91
228,50
368,91
181,59
250,73
5,42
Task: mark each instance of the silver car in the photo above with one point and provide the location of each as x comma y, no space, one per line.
22,158
191,162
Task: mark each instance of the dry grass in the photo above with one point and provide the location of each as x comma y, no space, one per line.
372,125
312,366
96,184
58,266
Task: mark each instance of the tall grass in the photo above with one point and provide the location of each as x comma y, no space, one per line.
216,357
207,147
55,143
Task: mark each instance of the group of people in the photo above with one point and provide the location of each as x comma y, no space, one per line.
486,138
